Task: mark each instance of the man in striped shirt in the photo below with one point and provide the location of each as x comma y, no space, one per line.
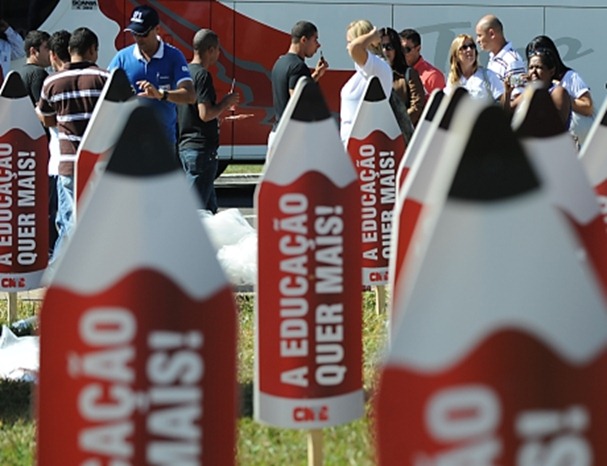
504,60
67,101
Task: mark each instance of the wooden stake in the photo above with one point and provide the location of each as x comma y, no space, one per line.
12,307
315,447
380,299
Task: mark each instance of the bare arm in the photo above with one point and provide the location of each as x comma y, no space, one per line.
417,96
357,48
320,69
184,94
583,104
207,111
48,120
562,102
509,103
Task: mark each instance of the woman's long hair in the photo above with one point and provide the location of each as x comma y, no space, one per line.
545,42
455,69
399,64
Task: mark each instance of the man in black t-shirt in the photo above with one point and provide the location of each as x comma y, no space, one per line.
290,67
33,72
198,123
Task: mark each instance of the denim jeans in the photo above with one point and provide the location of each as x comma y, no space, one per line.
65,211
52,213
200,168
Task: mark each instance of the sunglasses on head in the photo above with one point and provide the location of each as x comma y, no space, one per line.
387,46
468,46
540,51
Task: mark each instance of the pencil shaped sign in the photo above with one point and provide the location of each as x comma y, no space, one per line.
594,158
308,333
376,146
552,151
501,346
416,193
423,128
107,122
138,326
23,190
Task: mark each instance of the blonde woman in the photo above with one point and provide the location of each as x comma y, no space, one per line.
465,71
364,48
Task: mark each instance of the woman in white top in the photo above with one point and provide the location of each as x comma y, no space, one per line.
581,99
465,71
364,47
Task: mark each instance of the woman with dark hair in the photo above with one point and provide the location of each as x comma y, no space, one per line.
405,79
581,100
542,66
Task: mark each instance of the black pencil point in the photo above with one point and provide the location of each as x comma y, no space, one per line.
311,105
494,165
120,89
13,87
143,149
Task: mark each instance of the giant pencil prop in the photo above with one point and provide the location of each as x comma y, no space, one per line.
23,190
415,194
500,354
308,333
552,150
594,158
138,327
376,146
422,129
107,123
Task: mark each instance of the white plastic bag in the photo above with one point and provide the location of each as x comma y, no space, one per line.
226,227
19,356
236,243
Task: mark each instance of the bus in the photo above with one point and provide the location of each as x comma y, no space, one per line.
254,33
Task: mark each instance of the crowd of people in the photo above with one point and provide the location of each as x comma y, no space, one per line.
396,60
186,101
182,94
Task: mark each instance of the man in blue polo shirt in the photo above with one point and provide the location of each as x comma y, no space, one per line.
157,71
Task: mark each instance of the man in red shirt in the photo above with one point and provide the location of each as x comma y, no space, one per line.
432,78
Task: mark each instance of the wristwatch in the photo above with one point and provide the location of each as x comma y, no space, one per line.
164,96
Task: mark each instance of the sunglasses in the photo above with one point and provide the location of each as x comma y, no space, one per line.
387,46
540,51
407,49
467,47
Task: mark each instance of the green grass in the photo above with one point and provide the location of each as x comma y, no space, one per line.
233,169
17,425
349,444
17,443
